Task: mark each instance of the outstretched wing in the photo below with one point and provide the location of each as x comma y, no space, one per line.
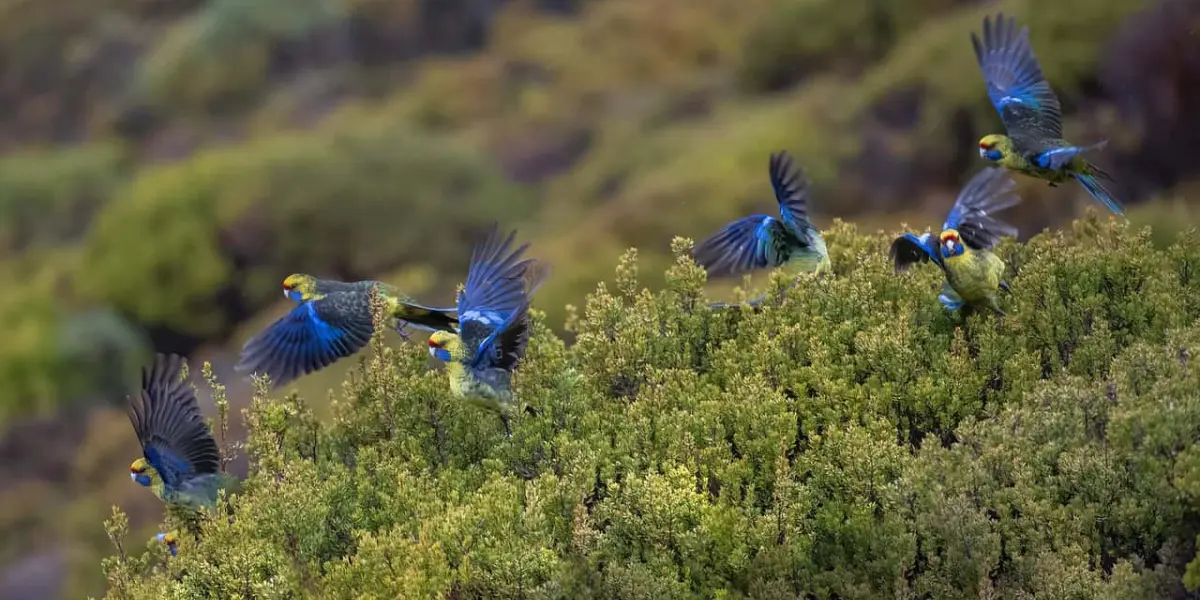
990,191
754,242
496,284
505,345
908,250
1015,83
170,427
312,336
791,191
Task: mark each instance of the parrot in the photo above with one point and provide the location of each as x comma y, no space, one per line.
171,540
963,249
180,462
1032,115
494,325
762,241
331,321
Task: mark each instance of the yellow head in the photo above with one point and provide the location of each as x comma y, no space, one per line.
444,345
171,539
142,472
994,147
299,287
951,243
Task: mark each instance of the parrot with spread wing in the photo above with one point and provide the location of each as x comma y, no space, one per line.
1031,114
180,462
763,241
332,320
494,324
974,275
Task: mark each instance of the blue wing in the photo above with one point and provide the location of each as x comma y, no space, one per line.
310,337
909,249
496,282
170,427
791,191
990,191
754,242
1015,83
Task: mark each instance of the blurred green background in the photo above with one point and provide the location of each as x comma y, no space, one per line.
165,163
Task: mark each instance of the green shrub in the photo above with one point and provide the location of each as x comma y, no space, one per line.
849,440
53,353
48,198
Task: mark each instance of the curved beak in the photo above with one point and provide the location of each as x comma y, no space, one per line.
132,476
982,152
285,292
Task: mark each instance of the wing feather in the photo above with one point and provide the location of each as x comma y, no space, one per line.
909,249
1027,104
791,191
749,243
990,191
170,427
310,337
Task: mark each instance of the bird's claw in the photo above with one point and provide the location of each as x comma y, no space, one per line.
402,329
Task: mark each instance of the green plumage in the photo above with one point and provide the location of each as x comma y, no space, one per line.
974,275
1032,115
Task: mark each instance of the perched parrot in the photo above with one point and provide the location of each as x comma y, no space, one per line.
494,324
171,539
963,249
762,241
180,462
331,321
1032,115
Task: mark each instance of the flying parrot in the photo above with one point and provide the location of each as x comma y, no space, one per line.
331,321
494,324
1031,114
963,249
180,462
762,241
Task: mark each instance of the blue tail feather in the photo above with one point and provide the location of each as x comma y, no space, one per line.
1094,181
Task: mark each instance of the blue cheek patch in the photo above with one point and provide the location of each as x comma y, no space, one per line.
294,296
994,155
442,354
142,480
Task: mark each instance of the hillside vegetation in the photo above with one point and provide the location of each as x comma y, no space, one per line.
849,440
203,150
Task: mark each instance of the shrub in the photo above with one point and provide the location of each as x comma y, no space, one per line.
849,440
47,198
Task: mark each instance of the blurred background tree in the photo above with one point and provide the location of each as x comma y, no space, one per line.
164,164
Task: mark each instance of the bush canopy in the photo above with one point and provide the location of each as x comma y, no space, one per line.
850,439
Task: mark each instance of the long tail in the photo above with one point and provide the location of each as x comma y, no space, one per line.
1096,181
427,318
